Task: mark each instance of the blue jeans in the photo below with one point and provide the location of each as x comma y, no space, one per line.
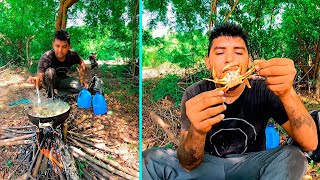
282,163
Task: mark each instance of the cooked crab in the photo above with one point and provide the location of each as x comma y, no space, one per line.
231,77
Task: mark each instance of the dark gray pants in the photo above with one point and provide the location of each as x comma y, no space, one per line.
52,81
282,163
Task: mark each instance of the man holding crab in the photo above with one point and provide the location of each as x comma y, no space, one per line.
223,121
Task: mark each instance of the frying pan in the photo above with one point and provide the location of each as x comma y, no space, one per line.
54,120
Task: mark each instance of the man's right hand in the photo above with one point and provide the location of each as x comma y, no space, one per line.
204,110
34,80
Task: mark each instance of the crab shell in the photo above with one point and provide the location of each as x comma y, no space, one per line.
231,77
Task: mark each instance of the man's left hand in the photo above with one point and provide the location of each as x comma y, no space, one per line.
279,73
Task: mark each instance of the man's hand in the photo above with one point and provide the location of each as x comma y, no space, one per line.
201,112
279,73
84,83
35,80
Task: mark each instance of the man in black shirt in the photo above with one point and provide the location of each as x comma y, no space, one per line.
223,133
54,65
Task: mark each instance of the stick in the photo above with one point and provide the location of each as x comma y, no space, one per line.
18,132
21,127
37,166
103,158
86,174
77,153
100,146
86,137
10,176
164,126
13,143
18,138
9,135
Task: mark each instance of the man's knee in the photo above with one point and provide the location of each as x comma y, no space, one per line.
50,73
295,156
159,154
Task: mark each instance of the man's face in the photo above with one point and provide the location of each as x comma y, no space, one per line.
61,49
227,50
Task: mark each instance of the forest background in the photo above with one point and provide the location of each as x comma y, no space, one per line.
175,41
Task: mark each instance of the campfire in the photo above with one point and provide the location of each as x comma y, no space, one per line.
59,153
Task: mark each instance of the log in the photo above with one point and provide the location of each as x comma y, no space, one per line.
165,127
77,153
18,132
95,167
21,127
87,175
14,171
103,158
13,143
37,166
18,138
100,146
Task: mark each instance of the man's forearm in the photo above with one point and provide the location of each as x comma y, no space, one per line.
302,126
191,149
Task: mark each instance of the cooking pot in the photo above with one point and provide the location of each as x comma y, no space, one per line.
48,114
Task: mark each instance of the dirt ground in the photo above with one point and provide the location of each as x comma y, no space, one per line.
118,130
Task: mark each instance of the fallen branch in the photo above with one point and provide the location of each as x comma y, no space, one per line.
17,138
103,158
13,143
95,167
22,127
37,166
9,135
100,146
88,175
76,151
18,132
14,171
164,126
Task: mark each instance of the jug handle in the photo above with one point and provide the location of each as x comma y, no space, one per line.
80,93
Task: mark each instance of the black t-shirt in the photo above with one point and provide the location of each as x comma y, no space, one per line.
48,59
243,128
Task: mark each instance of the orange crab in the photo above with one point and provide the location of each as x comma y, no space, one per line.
231,77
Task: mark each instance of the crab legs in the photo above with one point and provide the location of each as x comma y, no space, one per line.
231,77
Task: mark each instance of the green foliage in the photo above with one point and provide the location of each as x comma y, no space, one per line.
34,68
9,163
107,29
120,71
169,145
311,164
276,29
168,86
81,165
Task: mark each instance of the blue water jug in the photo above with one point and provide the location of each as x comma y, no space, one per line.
99,104
84,99
272,137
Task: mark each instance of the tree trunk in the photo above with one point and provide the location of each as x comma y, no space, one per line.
61,21
133,63
316,74
27,50
230,12
213,11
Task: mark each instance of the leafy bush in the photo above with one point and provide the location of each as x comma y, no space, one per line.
33,69
168,87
